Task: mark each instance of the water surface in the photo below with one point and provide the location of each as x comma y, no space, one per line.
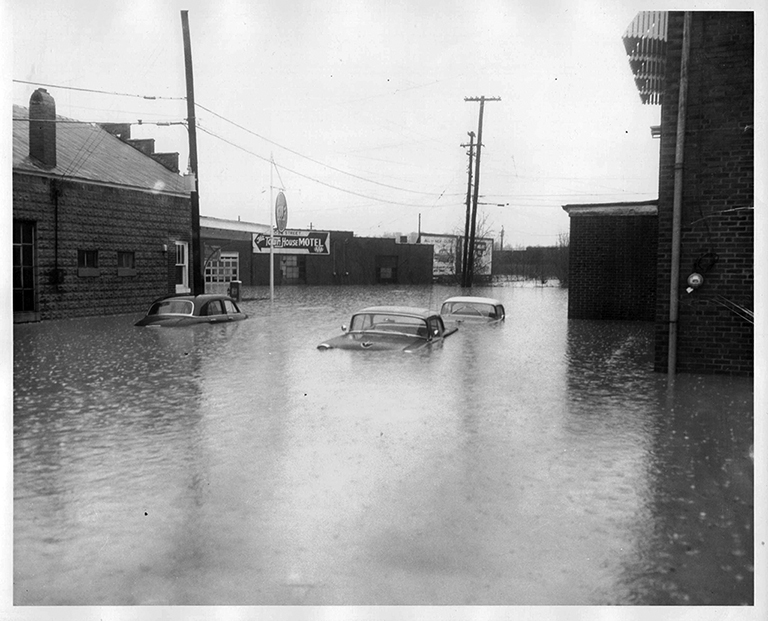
540,461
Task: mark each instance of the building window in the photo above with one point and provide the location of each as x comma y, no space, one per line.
126,263
23,266
182,267
88,263
386,269
224,269
293,269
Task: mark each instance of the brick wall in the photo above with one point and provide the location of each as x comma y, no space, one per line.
718,194
612,269
109,220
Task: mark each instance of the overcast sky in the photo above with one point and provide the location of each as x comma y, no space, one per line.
361,103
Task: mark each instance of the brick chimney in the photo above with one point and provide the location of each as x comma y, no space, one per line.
42,128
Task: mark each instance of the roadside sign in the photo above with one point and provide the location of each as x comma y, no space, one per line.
281,212
293,242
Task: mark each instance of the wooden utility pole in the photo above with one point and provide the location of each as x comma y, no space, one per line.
471,257
465,245
198,285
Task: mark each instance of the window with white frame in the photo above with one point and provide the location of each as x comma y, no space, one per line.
224,269
182,267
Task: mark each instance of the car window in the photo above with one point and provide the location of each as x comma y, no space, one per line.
231,307
361,322
172,307
213,307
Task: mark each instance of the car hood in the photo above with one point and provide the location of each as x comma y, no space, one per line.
374,342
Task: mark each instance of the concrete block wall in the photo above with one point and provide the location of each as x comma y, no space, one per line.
612,268
718,195
107,219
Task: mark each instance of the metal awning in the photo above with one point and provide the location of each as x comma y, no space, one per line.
646,43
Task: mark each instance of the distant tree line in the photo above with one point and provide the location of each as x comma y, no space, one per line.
542,263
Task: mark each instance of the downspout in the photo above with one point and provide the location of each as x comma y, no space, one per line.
677,204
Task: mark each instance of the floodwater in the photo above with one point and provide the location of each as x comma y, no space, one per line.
538,462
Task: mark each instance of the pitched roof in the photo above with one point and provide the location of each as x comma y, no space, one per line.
86,152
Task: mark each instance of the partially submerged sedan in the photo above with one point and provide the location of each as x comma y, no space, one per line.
473,309
378,328
185,310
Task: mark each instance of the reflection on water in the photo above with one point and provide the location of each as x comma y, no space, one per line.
536,462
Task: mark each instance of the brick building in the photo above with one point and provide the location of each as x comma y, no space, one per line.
612,261
706,177
715,332
233,254
100,225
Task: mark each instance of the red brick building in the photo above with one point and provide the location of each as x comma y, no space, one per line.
100,225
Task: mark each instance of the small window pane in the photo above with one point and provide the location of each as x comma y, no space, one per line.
126,259
88,258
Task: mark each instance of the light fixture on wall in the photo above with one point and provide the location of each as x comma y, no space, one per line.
165,248
695,281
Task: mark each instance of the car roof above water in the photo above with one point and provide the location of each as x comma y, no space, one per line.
414,311
472,298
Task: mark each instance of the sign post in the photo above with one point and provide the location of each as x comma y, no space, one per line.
271,235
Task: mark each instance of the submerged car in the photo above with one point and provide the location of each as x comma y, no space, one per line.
403,328
185,310
472,309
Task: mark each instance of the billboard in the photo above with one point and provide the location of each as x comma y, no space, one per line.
448,252
446,257
483,256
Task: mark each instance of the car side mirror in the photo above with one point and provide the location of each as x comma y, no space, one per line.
343,327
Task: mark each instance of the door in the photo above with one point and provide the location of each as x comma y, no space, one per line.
24,271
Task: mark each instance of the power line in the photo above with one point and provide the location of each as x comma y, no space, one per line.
329,185
344,172
93,90
75,122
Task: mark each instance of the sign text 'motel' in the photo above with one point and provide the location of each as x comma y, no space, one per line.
293,242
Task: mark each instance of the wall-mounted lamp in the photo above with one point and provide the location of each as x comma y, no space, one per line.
695,281
165,248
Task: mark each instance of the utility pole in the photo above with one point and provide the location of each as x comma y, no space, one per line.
501,246
471,257
198,285
465,245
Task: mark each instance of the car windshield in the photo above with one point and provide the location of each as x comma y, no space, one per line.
172,307
398,324
476,309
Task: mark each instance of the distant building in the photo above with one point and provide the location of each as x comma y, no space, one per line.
238,250
100,226
706,176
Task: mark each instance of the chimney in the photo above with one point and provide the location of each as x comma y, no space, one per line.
42,128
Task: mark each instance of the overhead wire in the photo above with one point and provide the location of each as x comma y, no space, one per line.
94,90
308,177
344,172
